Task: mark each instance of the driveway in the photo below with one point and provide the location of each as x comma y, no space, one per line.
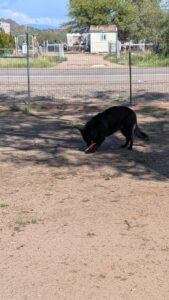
86,60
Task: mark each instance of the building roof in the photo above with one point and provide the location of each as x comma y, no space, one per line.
103,28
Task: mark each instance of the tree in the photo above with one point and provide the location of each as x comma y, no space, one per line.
139,19
147,22
163,40
6,40
84,13
52,35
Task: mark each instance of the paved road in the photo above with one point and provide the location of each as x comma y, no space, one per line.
84,72
87,75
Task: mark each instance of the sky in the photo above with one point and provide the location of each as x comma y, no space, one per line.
24,12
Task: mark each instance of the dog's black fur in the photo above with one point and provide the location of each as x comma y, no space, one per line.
108,122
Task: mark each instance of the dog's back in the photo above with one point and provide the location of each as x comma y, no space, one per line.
118,117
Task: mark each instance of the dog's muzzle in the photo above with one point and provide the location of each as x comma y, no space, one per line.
90,148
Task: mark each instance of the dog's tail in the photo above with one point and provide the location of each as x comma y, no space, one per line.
140,134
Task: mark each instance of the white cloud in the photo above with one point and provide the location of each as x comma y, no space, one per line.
23,19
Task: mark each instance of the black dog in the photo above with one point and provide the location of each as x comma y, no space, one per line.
108,122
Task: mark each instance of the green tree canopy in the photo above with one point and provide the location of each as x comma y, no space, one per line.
52,35
147,21
139,19
163,39
136,19
6,40
100,12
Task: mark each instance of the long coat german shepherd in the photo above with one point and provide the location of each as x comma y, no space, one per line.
108,122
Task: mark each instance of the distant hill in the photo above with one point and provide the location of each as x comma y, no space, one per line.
31,27
19,29
44,32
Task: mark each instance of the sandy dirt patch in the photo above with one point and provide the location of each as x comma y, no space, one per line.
76,226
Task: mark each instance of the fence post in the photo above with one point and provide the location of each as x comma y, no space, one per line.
61,51
130,75
28,68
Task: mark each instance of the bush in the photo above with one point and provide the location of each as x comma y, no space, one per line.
6,40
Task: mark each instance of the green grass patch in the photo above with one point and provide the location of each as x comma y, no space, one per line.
59,176
112,176
154,111
26,108
24,221
141,59
15,108
154,127
41,62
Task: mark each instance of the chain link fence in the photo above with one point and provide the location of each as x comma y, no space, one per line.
49,74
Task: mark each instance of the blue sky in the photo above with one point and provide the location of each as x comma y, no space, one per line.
49,12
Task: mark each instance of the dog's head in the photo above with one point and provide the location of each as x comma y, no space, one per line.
89,138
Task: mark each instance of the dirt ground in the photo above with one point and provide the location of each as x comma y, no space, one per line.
76,226
86,60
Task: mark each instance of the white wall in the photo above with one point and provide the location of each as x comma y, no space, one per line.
99,41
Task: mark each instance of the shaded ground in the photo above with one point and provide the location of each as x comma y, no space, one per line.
76,226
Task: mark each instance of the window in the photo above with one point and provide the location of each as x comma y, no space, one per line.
103,37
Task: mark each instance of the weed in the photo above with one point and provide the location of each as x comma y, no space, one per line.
14,108
3,205
73,123
111,176
154,127
27,108
156,112
23,222
59,176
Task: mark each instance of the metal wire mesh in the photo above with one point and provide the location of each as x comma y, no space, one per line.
77,77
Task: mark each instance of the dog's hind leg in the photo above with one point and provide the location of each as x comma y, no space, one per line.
129,134
130,145
131,137
125,133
